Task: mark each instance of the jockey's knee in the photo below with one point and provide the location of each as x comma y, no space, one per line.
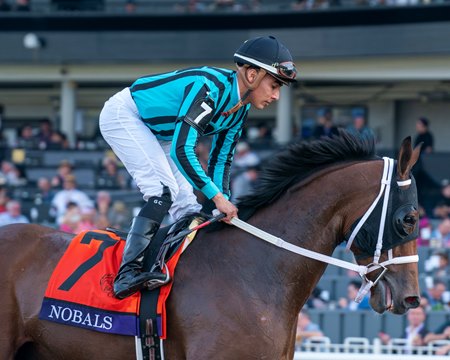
158,191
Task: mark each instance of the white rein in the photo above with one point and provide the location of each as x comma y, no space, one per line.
362,270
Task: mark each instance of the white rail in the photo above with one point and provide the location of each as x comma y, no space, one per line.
321,348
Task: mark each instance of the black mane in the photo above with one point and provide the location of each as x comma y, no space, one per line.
302,159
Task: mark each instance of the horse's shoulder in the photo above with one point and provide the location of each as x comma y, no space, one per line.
31,237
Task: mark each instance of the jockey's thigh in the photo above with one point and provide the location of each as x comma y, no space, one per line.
143,155
186,201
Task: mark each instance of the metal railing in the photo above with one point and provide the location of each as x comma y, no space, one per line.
357,348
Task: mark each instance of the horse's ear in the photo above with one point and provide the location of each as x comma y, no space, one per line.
407,157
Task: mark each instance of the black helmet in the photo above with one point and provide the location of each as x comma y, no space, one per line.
268,53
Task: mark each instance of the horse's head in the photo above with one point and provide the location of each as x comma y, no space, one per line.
384,239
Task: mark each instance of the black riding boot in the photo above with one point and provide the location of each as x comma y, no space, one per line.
131,278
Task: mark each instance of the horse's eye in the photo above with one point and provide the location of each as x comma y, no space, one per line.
410,219
405,220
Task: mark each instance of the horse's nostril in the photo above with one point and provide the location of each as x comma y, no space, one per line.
412,302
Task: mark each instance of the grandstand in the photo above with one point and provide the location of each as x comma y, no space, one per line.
389,60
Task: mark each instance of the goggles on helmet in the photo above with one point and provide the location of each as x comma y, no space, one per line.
286,69
283,71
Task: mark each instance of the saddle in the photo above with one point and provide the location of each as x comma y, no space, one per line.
166,241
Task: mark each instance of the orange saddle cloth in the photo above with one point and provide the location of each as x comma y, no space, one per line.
80,290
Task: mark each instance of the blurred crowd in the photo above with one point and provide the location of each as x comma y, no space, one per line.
57,201
55,198
417,334
200,6
419,331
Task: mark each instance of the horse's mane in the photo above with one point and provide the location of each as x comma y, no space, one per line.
301,160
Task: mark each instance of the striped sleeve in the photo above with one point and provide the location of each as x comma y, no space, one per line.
183,154
221,157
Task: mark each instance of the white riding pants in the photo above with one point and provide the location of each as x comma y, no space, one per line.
146,158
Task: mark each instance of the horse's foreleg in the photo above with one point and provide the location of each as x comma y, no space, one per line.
7,349
10,337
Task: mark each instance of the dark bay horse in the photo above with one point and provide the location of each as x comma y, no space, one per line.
234,296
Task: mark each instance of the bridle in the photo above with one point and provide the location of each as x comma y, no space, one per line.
362,270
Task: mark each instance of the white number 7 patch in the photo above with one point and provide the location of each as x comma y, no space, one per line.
207,110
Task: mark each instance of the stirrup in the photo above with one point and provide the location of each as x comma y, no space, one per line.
155,283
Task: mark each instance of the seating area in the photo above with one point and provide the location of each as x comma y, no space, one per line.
337,325
168,6
87,167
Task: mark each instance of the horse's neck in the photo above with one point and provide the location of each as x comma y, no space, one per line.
315,217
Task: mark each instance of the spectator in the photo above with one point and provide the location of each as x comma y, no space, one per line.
45,193
103,205
306,328
264,134
441,333
26,138
11,174
360,127
88,219
244,183
260,136
102,223
120,216
424,135
4,196
416,330
69,193
110,177
435,296
443,350
440,237
442,208
244,172
318,299
349,302
13,214
425,183
65,169
45,132
58,141
437,265
71,219
325,126
425,228
244,158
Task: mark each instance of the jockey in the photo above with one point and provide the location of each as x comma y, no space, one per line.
154,126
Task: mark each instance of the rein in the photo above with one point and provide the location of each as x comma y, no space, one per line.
362,270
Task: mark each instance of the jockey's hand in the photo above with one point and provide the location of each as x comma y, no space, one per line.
225,206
